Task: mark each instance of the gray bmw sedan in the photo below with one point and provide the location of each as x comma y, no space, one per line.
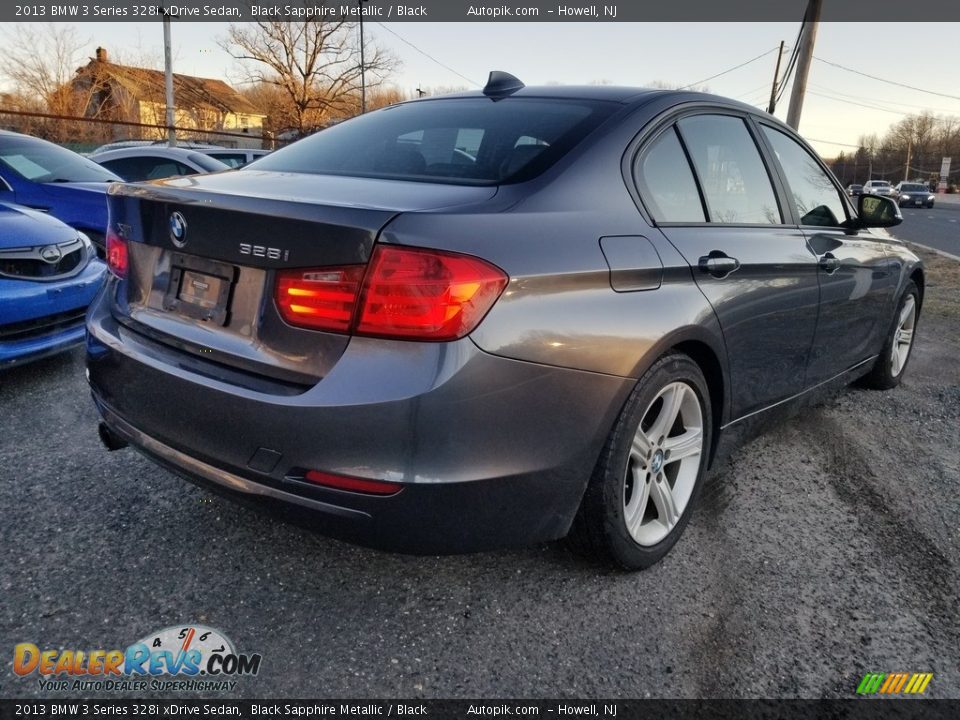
495,318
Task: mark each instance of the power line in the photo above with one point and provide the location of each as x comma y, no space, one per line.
730,70
792,62
429,56
830,142
863,105
884,101
884,80
752,93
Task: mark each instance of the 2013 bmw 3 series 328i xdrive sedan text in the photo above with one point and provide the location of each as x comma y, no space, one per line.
494,318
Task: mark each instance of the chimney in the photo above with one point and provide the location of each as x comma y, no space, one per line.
101,54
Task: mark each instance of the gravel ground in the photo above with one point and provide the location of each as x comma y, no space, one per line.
824,550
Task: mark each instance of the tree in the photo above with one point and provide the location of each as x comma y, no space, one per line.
314,63
39,61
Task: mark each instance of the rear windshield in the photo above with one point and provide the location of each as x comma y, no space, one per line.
473,141
210,164
44,162
913,188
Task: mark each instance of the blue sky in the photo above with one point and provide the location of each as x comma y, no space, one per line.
919,54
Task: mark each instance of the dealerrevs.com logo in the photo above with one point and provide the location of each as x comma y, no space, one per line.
192,657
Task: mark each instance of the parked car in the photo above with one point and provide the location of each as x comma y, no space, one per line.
879,187
854,190
915,194
234,157
136,164
49,273
46,177
428,355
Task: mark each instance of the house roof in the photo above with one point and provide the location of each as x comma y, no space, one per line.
189,92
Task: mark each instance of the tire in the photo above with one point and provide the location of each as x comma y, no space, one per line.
930,205
639,500
888,370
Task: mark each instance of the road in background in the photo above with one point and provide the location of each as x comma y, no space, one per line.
825,550
938,227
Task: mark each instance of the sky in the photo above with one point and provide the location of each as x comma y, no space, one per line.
840,106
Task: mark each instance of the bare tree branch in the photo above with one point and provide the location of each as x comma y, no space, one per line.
315,64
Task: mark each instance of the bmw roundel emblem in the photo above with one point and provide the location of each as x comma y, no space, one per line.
178,229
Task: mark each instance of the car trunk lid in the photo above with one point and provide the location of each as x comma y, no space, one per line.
203,253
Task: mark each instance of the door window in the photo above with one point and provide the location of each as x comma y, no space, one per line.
735,182
666,181
815,197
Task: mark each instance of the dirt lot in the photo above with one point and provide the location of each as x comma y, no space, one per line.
824,550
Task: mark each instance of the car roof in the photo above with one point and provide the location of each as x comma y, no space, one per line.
614,93
145,151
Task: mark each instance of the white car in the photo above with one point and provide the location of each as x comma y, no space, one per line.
154,162
879,187
234,157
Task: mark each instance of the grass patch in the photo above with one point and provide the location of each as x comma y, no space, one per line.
942,295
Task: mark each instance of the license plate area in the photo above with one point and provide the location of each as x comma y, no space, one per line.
199,288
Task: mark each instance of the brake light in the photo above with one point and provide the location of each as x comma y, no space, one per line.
360,485
426,294
408,293
117,257
321,299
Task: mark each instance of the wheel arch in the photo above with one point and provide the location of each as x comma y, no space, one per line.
708,361
706,349
919,278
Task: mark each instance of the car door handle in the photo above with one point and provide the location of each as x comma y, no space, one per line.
829,263
41,208
718,264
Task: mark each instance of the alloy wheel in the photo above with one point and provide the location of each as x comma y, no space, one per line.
903,336
663,464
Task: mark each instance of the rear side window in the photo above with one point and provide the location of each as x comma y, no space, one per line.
666,182
735,182
815,198
472,141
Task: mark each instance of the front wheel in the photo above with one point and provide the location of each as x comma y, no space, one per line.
649,474
890,366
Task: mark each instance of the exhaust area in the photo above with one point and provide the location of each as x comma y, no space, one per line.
111,441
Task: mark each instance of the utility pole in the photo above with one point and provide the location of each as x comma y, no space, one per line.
808,37
168,78
776,77
363,75
906,168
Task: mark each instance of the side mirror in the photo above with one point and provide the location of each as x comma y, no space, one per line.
876,211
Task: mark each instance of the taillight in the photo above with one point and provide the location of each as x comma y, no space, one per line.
117,258
322,299
404,292
352,484
425,294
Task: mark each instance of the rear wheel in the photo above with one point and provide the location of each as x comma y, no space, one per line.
890,366
649,474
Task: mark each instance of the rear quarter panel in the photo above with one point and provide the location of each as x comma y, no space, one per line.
559,307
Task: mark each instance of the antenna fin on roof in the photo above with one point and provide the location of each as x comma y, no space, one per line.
501,83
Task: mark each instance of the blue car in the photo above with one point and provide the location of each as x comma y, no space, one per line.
37,174
49,273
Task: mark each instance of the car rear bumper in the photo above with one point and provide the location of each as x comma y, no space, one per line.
489,452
